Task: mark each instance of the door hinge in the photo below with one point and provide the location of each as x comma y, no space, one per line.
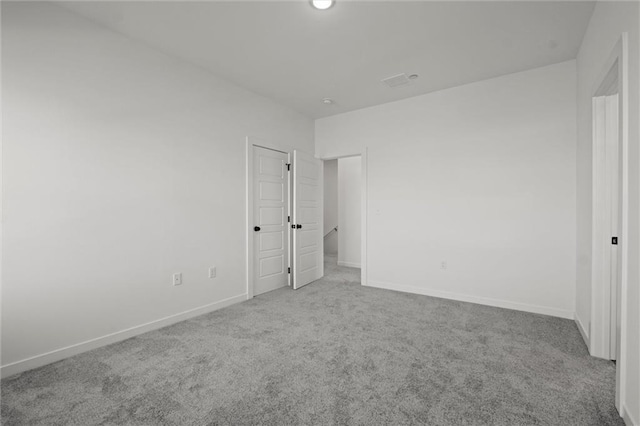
614,241
288,270
288,219
288,166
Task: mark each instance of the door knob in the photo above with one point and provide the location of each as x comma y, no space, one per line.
256,228
298,226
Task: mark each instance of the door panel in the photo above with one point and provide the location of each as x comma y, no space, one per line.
307,214
271,241
273,191
271,167
271,216
271,248
271,266
307,239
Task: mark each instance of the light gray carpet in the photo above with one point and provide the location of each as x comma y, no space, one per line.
330,353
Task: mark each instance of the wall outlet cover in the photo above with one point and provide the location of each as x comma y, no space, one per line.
177,278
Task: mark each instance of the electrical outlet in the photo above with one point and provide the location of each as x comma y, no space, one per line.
177,278
212,272
443,264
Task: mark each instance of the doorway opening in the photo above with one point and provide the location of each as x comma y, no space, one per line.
607,328
343,212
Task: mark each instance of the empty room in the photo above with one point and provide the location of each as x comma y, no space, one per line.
320,212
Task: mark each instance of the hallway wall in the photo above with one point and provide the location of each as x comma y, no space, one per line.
330,206
349,211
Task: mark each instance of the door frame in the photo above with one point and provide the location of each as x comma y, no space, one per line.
252,142
599,330
363,211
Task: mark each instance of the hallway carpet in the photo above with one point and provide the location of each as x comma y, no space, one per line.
333,352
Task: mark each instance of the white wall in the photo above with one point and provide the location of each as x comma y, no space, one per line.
121,166
480,176
330,206
349,211
608,22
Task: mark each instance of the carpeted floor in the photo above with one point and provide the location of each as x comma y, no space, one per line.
331,353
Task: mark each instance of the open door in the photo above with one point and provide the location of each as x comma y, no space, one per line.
307,219
270,227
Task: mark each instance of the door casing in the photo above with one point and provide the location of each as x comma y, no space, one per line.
612,79
363,207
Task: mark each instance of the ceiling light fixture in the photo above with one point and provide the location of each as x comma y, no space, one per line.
322,4
327,101
413,76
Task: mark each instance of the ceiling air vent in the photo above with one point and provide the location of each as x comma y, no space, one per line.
396,80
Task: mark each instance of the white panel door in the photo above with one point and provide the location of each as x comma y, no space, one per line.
307,219
270,232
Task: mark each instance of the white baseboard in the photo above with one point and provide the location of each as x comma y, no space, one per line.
59,354
628,420
583,330
474,299
349,264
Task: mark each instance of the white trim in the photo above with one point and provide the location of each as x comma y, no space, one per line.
78,348
249,219
525,307
581,328
628,419
364,274
349,264
602,85
250,143
623,81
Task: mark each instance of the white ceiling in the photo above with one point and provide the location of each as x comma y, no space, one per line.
297,55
